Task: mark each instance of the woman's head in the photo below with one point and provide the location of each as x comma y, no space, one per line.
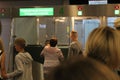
80,68
19,44
103,45
53,42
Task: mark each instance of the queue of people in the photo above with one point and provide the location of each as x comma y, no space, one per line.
102,60
101,63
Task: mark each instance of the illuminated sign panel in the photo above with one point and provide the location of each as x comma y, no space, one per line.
36,11
117,12
79,13
96,2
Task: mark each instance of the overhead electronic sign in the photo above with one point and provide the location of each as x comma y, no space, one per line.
93,2
117,12
80,13
36,11
97,2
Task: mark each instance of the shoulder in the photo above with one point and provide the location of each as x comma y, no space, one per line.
58,49
18,56
46,47
28,54
75,43
72,44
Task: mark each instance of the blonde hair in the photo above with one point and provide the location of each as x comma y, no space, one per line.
103,45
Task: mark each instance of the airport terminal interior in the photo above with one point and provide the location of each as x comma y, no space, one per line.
39,20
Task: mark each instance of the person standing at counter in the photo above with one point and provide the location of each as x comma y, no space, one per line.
23,62
75,48
53,55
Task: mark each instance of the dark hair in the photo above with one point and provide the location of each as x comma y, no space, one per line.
53,42
21,42
80,68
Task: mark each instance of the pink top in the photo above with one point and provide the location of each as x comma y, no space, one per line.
52,56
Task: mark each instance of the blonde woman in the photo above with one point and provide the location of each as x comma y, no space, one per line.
2,61
103,45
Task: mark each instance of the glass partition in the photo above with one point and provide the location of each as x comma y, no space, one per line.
58,27
89,25
84,26
37,30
